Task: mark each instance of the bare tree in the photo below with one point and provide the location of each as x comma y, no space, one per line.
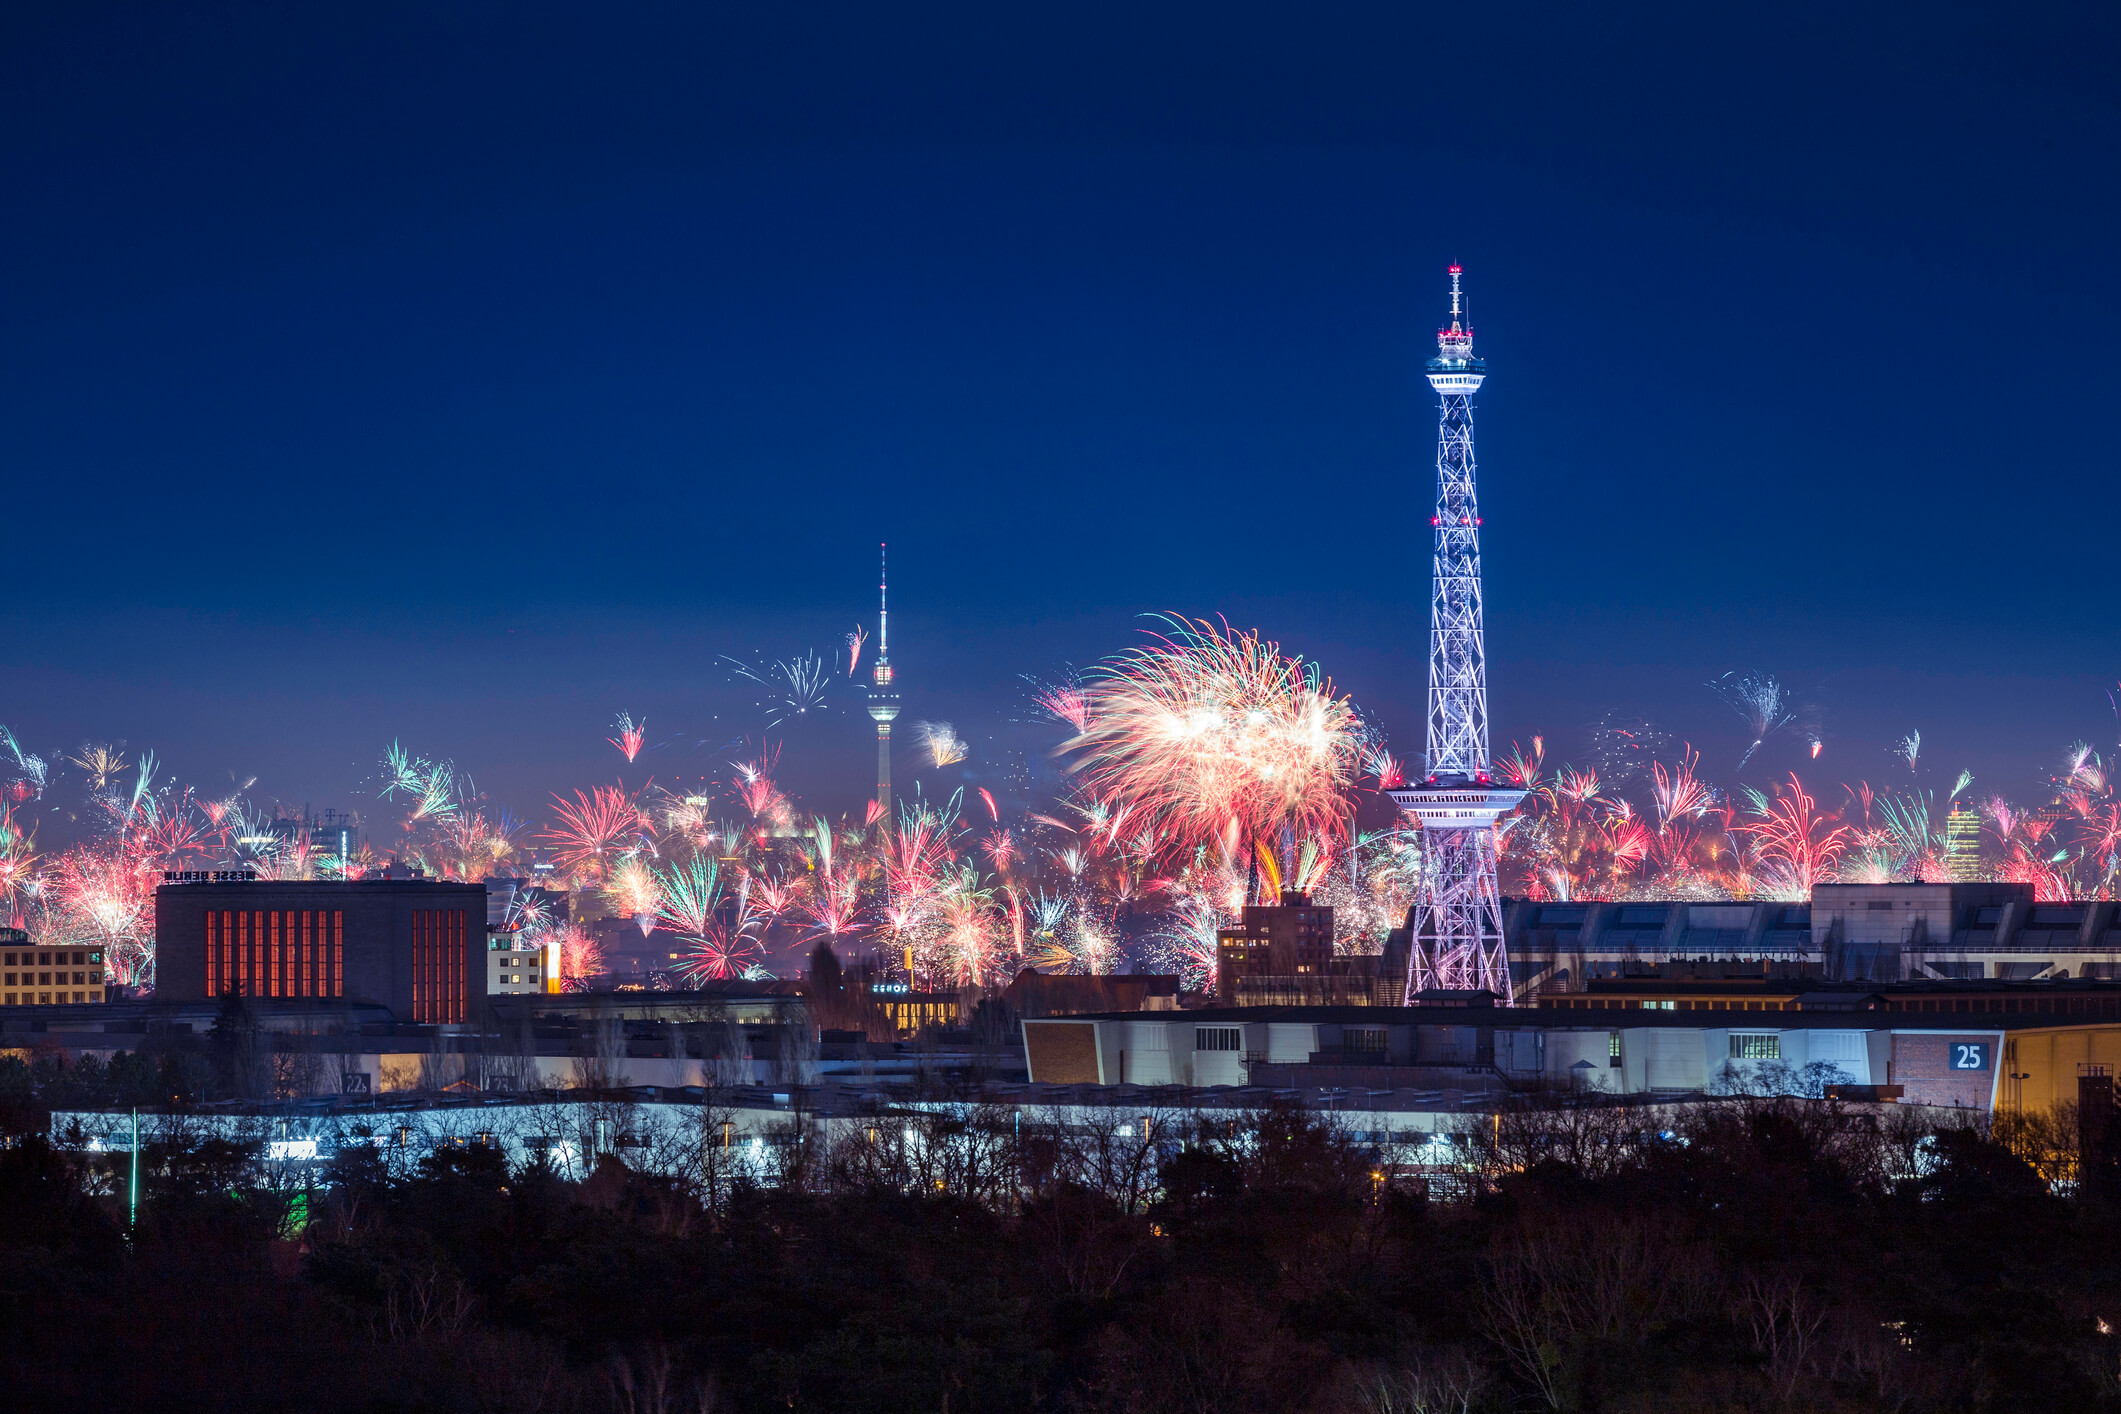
424,1302
2046,1139
1785,1323
1552,1287
1592,1136
296,1074
438,1069
648,1381
1438,1382
732,1060
602,1066
798,1054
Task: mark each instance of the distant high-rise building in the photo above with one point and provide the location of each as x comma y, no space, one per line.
1962,844
1456,923
1291,940
333,834
883,701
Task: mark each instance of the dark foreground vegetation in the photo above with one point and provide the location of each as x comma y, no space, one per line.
1770,1254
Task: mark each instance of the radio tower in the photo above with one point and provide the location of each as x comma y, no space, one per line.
883,702
1456,922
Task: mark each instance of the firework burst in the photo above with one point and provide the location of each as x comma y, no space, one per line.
942,743
1760,701
1206,726
591,832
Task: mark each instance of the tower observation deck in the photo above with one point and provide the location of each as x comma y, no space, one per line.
1456,921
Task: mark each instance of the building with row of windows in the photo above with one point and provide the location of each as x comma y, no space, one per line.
418,946
47,976
1990,1052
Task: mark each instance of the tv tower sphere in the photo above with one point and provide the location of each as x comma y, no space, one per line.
1456,921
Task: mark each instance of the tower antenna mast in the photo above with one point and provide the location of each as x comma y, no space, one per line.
1456,922
883,701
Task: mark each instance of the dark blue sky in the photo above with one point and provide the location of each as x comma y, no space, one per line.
466,373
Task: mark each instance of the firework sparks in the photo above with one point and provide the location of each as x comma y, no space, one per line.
102,764
1001,849
630,735
689,896
431,785
795,687
1206,726
1760,701
941,742
586,841
1797,845
1064,702
633,890
1623,748
755,788
36,771
855,641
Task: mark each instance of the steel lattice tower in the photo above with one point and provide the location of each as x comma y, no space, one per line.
883,701
1456,921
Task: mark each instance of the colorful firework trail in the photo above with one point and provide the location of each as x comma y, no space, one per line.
1760,701
630,735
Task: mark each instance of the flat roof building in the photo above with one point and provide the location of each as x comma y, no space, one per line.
416,945
1959,1060
34,975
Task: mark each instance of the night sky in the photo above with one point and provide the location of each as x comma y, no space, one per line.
466,373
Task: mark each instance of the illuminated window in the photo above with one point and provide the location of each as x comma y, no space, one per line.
1755,1047
1216,1038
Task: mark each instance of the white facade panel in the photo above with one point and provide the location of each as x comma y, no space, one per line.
1290,1043
1672,1059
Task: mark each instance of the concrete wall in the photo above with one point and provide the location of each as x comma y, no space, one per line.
1564,1049
1291,1043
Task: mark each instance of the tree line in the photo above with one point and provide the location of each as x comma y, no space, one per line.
948,1253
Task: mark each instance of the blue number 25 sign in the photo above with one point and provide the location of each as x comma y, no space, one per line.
1969,1055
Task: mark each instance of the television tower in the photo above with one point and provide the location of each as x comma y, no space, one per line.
883,702
1456,922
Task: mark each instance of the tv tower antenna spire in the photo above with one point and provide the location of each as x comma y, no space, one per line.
883,701
1456,922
